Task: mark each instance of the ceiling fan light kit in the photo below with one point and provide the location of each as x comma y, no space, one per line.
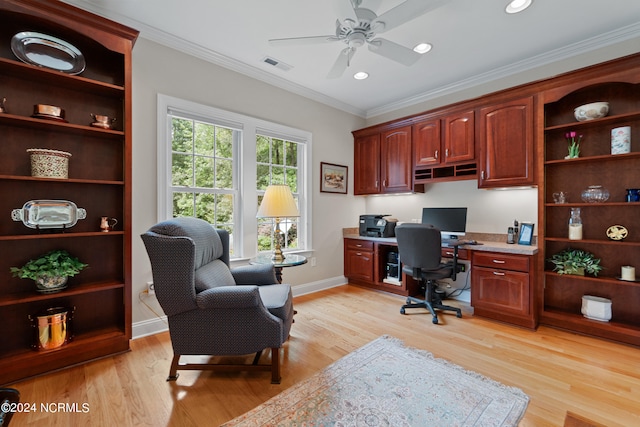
362,27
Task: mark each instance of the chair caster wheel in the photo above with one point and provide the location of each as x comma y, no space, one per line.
459,315
435,320
402,311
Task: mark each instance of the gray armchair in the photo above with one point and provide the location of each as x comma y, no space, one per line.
212,309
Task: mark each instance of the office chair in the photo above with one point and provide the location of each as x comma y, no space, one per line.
420,248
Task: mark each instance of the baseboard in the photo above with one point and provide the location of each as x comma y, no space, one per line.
159,324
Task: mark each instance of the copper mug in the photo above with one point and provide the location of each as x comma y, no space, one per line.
107,224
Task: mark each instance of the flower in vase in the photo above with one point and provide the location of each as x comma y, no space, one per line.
574,144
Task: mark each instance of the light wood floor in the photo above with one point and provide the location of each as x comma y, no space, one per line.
561,372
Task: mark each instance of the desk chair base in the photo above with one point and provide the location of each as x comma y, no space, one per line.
431,306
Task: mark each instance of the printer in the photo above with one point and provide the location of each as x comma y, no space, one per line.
377,226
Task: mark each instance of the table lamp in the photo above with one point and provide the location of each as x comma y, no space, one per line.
277,203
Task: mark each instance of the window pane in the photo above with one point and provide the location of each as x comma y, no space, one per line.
262,149
181,135
205,207
182,204
224,142
224,173
277,175
181,170
292,154
204,139
292,179
263,177
277,152
204,172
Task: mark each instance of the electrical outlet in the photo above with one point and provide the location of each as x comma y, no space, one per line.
151,290
313,261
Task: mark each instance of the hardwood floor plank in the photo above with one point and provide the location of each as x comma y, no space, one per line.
561,372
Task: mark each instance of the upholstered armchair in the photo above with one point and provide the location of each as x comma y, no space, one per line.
213,309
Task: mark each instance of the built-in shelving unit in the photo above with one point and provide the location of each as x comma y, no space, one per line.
596,165
99,181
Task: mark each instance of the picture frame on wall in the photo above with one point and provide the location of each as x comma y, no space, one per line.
333,178
526,233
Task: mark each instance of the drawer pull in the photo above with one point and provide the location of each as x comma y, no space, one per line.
498,261
359,245
498,273
449,253
358,253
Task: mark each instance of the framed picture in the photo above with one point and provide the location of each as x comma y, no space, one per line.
526,233
333,178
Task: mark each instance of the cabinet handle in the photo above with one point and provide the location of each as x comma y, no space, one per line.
359,245
498,261
358,253
384,183
436,154
482,174
449,253
446,152
498,273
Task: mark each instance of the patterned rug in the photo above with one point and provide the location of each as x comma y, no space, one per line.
385,383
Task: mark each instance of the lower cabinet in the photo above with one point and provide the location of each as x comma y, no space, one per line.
358,259
502,287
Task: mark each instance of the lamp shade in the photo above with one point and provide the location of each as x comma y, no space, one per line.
277,203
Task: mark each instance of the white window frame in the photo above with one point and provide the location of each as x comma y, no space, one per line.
246,200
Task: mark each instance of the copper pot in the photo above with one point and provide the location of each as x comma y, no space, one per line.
48,110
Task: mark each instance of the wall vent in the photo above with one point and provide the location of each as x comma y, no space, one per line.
275,63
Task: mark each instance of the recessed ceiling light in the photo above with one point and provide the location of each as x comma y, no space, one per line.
422,48
516,6
360,75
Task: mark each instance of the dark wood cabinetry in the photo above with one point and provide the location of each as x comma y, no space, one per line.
382,162
358,259
595,166
502,287
507,144
99,181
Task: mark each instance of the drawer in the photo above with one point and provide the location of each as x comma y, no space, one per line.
448,253
501,261
361,245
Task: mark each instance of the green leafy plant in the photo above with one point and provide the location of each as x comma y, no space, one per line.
576,261
574,144
58,263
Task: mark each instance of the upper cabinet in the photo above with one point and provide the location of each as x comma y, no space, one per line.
382,162
506,144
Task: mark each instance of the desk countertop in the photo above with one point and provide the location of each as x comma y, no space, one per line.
485,246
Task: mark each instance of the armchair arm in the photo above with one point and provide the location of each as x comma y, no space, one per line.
259,274
229,297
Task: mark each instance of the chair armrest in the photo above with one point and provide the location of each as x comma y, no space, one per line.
229,297
259,274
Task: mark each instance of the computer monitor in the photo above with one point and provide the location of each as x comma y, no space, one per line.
452,222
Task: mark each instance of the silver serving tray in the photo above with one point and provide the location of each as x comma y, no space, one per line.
47,51
49,214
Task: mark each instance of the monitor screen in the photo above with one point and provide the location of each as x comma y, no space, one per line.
452,222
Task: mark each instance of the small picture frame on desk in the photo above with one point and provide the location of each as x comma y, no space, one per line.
526,233
333,178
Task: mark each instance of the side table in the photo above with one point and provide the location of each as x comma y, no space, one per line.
291,260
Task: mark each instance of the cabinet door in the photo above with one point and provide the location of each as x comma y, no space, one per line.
358,264
426,143
395,161
459,137
506,144
500,290
366,165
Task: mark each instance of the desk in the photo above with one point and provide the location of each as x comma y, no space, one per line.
291,260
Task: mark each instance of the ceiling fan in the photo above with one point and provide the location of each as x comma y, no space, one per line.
361,27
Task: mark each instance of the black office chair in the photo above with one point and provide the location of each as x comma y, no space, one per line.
419,246
8,397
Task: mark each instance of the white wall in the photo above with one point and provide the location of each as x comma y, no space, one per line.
157,69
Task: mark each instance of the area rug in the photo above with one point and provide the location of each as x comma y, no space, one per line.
386,383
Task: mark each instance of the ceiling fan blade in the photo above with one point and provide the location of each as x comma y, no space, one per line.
345,9
394,51
405,12
290,41
341,64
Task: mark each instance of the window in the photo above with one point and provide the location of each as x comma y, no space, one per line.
216,165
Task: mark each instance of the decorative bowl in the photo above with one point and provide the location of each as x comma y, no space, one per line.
595,194
594,110
42,110
46,163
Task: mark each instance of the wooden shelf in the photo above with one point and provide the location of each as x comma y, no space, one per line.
31,295
605,121
590,159
61,181
56,126
446,173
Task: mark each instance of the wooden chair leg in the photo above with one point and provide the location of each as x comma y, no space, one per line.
257,357
173,371
275,365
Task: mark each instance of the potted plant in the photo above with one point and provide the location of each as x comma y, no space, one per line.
51,270
576,261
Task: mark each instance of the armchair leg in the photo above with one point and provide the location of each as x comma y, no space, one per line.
275,365
173,371
257,358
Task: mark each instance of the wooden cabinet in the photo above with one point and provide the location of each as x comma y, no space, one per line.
382,162
595,166
507,144
358,259
99,181
444,148
502,287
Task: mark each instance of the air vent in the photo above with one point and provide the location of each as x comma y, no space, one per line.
278,64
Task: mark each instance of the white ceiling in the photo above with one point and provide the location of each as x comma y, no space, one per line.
474,41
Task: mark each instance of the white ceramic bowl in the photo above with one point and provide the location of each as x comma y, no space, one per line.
594,110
